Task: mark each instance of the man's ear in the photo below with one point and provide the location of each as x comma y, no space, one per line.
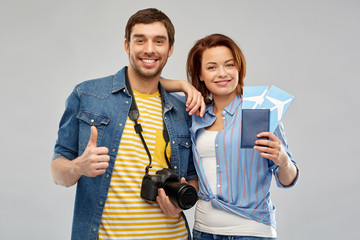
171,50
126,47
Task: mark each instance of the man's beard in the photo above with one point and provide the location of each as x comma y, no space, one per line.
148,75
142,71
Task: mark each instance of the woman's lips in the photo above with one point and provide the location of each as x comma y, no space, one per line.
222,82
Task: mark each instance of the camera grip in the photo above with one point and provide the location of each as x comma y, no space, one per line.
149,189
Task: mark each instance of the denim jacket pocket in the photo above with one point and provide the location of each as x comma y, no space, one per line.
86,120
184,141
93,119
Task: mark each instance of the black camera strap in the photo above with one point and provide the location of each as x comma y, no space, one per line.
134,116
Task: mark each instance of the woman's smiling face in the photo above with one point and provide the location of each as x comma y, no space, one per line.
218,71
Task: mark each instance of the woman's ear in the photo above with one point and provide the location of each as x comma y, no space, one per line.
200,78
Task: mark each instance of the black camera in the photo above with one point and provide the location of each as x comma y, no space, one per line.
181,195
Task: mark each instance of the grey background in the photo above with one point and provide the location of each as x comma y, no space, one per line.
308,48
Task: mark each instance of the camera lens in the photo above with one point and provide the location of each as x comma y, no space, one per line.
181,194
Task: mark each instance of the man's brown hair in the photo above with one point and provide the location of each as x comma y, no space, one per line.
147,16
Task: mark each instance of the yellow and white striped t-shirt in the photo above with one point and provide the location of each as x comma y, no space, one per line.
126,215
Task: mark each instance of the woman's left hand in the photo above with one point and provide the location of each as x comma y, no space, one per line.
271,149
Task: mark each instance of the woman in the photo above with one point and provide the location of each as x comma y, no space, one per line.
234,199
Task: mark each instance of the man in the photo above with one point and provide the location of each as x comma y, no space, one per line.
98,148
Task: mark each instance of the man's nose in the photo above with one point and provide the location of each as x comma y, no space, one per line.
149,48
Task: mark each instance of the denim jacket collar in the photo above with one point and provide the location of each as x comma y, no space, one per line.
168,104
119,81
119,84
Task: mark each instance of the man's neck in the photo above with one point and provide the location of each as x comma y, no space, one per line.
141,84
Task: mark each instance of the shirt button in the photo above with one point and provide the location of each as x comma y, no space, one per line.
219,185
94,229
175,167
113,150
223,112
92,120
107,175
100,202
165,117
127,102
173,142
216,145
217,166
124,90
120,124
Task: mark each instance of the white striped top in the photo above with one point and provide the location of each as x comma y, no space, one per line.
126,215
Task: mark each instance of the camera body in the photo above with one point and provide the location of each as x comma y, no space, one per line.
181,195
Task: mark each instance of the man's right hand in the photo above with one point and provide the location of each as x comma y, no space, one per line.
94,160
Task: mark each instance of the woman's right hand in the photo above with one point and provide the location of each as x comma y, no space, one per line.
195,103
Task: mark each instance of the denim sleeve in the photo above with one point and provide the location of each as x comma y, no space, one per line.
280,133
68,133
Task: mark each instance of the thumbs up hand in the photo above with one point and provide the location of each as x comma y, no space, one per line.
94,160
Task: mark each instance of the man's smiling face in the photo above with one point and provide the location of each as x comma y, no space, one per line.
148,49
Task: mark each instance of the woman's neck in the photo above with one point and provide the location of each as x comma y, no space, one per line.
220,103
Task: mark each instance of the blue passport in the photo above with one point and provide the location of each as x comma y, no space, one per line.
254,121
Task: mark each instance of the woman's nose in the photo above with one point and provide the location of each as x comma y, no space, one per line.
222,72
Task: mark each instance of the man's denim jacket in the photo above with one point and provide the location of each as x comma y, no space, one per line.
105,103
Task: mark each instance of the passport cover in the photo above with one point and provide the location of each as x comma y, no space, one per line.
254,121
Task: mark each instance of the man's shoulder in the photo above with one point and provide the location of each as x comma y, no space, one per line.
100,86
96,87
96,81
177,100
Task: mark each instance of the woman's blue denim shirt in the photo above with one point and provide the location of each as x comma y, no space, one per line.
105,103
